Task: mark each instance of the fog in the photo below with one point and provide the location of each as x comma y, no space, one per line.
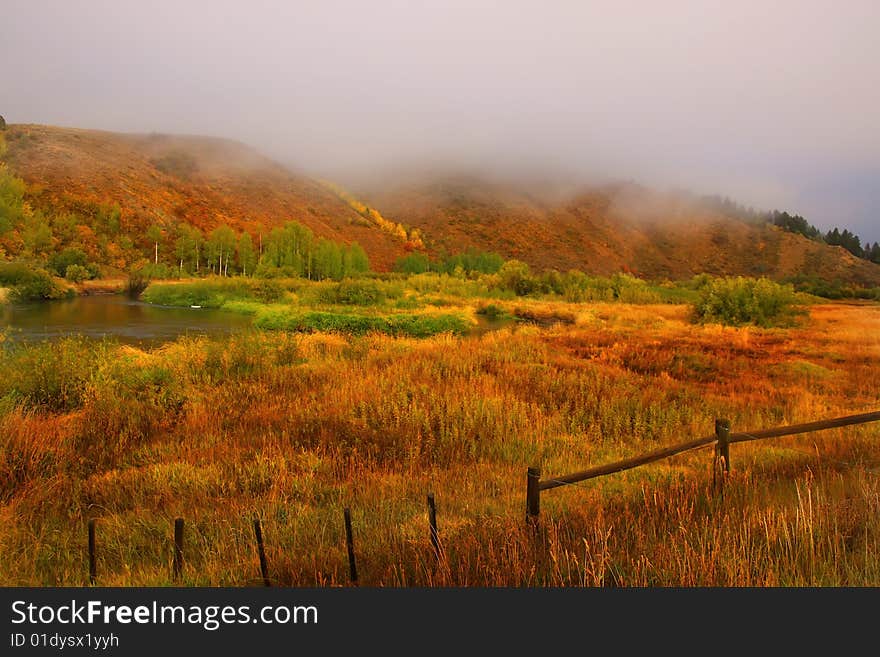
773,104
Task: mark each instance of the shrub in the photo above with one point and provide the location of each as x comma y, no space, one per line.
516,277
738,301
629,289
15,273
29,284
76,273
59,262
492,311
544,317
48,376
267,291
267,271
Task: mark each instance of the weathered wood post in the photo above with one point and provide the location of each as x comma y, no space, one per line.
432,523
349,540
93,566
178,548
264,570
721,466
533,495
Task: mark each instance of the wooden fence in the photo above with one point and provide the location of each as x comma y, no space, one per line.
722,439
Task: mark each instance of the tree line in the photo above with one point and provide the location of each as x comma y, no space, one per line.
288,250
471,261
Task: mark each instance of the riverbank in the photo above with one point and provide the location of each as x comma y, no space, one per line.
101,286
68,289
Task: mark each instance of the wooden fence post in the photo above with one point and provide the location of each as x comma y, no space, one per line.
178,548
432,523
533,495
264,570
349,540
721,465
93,567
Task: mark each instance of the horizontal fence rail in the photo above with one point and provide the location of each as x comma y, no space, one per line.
809,427
722,439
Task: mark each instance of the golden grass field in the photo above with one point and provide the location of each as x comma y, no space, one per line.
293,428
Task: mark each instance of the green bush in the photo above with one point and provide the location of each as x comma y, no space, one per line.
359,293
516,277
267,291
492,312
738,301
15,273
29,284
76,273
59,262
268,271
629,289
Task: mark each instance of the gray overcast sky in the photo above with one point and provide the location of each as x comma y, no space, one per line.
776,104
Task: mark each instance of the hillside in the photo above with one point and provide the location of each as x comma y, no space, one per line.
164,180
102,192
606,229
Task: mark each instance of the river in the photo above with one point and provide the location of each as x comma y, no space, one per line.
114,316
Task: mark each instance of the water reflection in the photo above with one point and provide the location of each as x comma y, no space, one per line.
100,316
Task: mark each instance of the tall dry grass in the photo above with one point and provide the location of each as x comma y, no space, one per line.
292,428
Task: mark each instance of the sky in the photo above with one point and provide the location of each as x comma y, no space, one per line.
774,104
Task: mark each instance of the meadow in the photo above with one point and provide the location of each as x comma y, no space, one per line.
293,423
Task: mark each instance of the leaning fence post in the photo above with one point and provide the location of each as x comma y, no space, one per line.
258,533
93,567
721,465
178,547
533,495
349,540
432,522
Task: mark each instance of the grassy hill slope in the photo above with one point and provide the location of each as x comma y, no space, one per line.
162,179
607,229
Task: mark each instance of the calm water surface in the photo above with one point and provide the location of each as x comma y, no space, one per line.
114,316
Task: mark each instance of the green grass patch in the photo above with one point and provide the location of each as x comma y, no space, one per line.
214,293
418,326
